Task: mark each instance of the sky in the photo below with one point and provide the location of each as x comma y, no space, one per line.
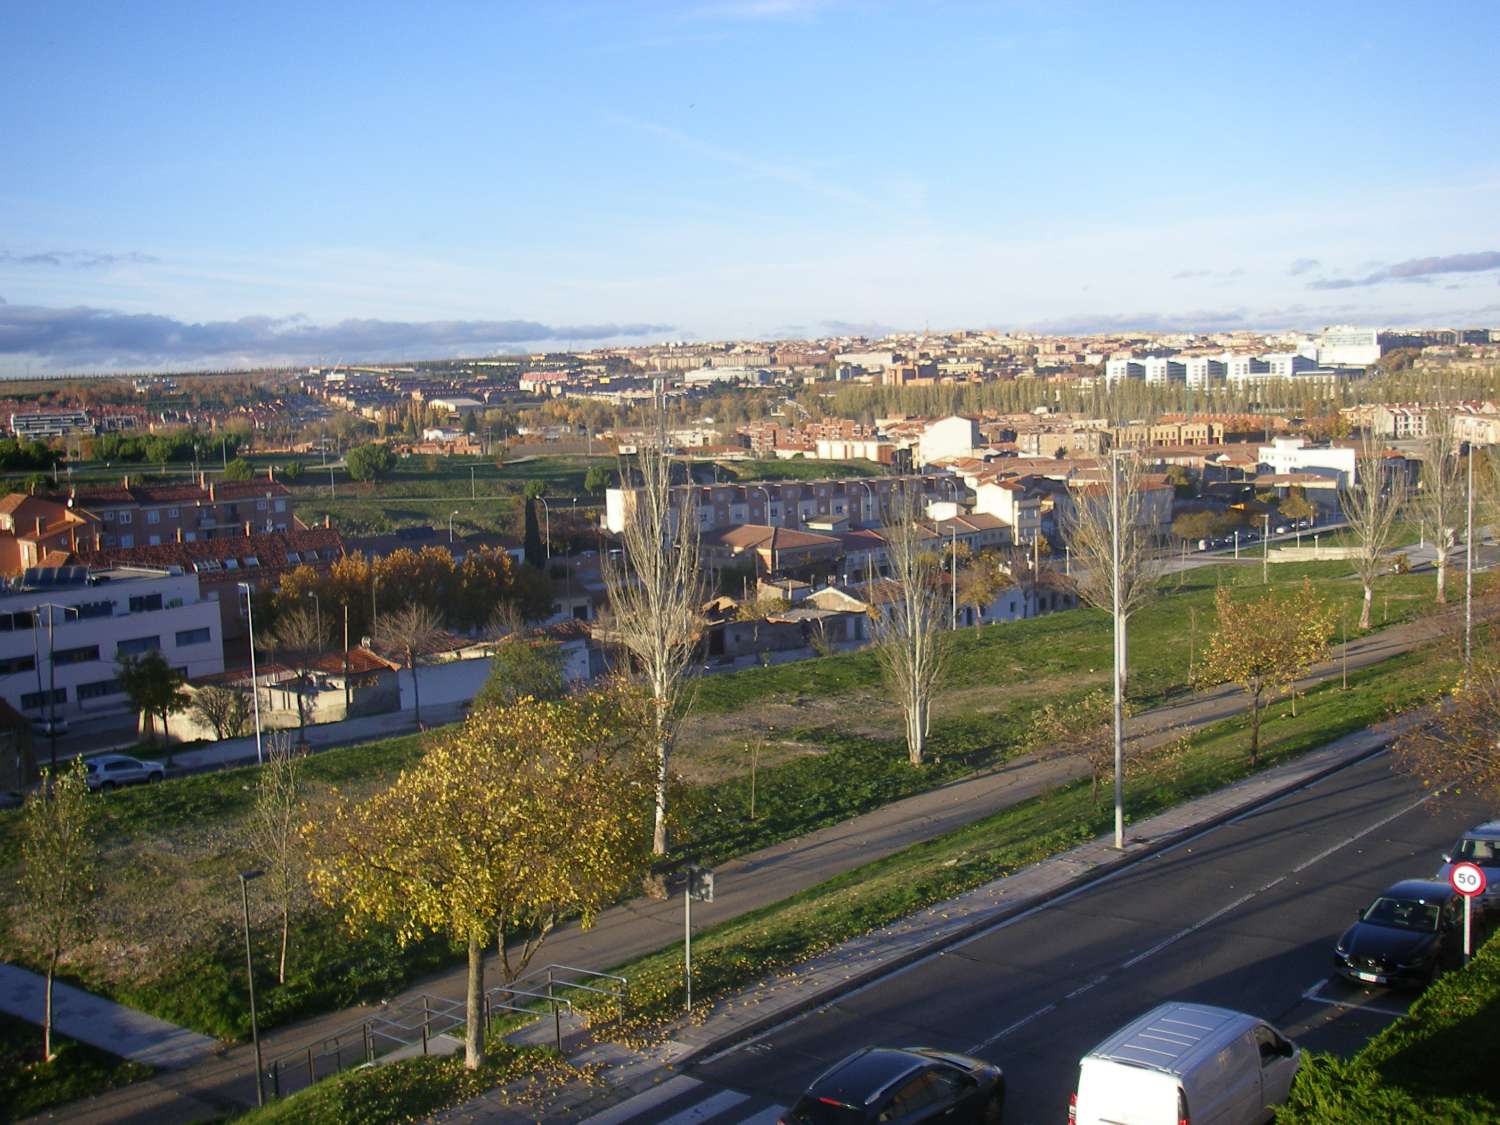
190,185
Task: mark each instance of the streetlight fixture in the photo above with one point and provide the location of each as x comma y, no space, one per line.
254,683
450,525
260,1084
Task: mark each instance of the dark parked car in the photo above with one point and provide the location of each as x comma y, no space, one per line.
1405,937
909,1085
1480,846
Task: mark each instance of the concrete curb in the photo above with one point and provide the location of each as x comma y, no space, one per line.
818,997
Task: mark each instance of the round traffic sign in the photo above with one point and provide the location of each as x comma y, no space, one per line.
1467,879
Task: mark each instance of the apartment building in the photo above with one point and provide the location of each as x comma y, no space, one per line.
35,531
145,514
64,630
1294,455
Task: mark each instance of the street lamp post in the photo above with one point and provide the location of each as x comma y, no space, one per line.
254,683
374,608
1265,552
51,699
547,533
1469,570
260,1083
473,495
450,525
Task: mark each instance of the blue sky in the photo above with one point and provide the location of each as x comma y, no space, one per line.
216,183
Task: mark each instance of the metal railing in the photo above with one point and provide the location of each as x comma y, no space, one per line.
423,1018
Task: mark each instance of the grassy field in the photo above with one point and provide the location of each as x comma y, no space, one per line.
799,469
1438,1064
831,752
28,1085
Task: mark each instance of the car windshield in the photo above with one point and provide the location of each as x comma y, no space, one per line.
816,1111
1404,914
1475,851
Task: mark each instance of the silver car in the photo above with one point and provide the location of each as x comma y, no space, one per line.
110,771
1480,846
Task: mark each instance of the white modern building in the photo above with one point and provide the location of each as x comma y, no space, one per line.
954,436
1294,455
63,631
1346,346
1118,370
1161,370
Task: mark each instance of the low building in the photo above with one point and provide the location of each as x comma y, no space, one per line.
64,630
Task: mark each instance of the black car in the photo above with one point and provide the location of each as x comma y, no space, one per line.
909,1085
1404,938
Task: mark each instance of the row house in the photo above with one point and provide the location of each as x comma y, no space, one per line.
796,505
35,531
149,514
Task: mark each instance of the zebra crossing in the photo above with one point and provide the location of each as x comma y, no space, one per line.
686,1101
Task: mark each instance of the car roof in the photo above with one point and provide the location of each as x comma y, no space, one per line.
1172,1038
863,1076
1434,889
1489,830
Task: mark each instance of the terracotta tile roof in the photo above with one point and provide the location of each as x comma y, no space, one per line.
177,492
271,549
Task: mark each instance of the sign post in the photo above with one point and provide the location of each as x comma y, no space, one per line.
700,886
1468,879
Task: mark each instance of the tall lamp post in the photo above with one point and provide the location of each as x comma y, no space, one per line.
547,527
450,525
260,1083
318,616
254,683
51,609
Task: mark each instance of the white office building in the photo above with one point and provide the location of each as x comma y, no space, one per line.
1346,346
1201,371
1118,370
1160,370
63,631
1294,455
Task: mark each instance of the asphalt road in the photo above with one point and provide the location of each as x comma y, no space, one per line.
1244,916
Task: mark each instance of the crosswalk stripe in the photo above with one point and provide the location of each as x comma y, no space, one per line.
766,1116
641,1103
722,1101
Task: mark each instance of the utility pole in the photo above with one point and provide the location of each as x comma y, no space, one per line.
254,683
1469,572
347,696
1116,505
1265,553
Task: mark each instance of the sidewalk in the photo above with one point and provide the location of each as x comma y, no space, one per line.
747,883
102,1023
615,1074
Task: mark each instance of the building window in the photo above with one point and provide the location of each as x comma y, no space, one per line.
80,655
154,541
98,689
127,541
281,505
17,664
260,505
187,637
109,517
145,603
172,513
125,517
39,698
135,646
153,516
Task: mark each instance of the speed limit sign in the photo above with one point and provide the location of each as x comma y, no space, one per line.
1467,879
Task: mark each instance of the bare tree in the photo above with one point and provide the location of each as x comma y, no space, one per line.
1115,567
1458,748
912,644
297,641
58,856
655,590
226,709
1371,503
274,832
413,632
1440,496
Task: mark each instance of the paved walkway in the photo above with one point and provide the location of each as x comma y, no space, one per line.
643,926
630,1079
102,1023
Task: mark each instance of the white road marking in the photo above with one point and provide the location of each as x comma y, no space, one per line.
639,1104
766,1116
1081,989
1085,888
1312,994
723,1100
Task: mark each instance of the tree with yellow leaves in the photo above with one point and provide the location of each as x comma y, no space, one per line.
522,815
1265,643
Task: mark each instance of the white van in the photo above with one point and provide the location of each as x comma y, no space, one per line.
1186,1064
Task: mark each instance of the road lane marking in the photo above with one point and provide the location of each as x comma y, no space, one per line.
766,1116
1077,992
1092,885
1194,928
1020,1023
1312,994
722,1101
643,1102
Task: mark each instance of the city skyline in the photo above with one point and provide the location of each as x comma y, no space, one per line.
190,188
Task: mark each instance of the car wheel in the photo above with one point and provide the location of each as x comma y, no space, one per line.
994,1109
153,778
107,786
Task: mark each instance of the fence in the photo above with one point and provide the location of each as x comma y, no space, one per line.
418,1021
